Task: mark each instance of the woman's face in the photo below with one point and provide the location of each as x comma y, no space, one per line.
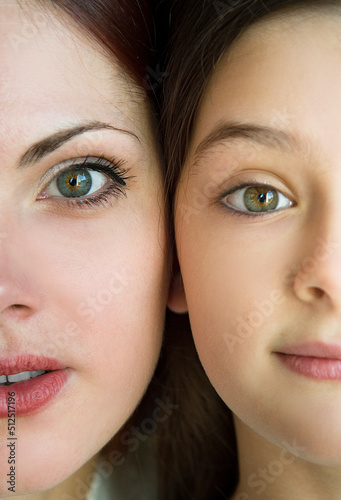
83,280
258,232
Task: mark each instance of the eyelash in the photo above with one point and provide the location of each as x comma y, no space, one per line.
112,168
249,215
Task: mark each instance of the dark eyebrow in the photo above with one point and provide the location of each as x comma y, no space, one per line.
42,148
266,136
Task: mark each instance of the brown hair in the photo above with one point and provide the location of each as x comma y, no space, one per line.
197,449
201,463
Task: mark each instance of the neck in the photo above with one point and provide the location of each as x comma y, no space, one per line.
273,473
68,489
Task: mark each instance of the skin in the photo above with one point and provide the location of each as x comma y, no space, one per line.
103,268
277,274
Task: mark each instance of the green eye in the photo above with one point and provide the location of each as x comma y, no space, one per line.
78,182
256,199
85,182
74,183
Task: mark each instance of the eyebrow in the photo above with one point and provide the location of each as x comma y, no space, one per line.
49,144
266,136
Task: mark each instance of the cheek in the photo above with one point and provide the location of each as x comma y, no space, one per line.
105,276
235,295
225,278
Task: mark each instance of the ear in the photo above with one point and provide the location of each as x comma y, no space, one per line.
176,295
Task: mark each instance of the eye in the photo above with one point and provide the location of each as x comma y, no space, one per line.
76,182
256,199
85,181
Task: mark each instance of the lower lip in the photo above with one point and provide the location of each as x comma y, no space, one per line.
312,367
33,394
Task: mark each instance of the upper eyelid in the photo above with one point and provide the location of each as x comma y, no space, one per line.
243,185
224,172
285,191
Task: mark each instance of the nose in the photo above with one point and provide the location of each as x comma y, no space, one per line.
318,278
17,297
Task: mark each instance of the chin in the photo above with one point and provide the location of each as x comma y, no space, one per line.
313,440
38,466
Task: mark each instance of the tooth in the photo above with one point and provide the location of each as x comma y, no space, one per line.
18,377
37,373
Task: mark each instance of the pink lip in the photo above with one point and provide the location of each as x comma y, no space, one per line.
315,349
313,360
31,395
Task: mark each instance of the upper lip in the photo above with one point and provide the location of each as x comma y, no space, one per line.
313,349
28,362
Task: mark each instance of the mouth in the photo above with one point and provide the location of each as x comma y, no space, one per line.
314,360
36,382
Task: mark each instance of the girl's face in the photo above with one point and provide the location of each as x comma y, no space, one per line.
83,279
259,236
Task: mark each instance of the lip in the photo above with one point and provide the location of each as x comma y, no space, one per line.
314,360
34,394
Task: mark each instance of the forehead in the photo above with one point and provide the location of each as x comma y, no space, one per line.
49,66
282,71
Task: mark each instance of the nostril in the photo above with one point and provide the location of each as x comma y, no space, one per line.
17,311
317,292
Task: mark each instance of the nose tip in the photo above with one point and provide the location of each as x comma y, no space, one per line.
308,292
16,298
318,278
20,295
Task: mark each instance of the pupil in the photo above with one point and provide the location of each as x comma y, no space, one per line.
262,198
73,181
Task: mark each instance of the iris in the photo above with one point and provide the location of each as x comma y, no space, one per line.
74,183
